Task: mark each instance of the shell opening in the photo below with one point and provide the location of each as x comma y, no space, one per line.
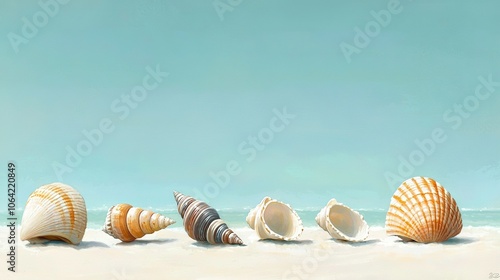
345,220
274,216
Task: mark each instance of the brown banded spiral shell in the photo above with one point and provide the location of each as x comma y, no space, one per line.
202,222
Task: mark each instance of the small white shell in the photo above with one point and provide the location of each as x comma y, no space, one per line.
54,212
341,222
272,219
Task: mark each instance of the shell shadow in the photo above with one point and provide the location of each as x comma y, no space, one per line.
361,243
451,241
284,243
57,243
91,244
459,240
407,241
207,245
145,242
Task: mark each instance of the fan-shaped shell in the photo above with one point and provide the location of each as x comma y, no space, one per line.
54,212
273,219
202,222
129,223
341,222
424,211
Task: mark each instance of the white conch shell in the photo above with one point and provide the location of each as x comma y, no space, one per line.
54,212
341,222
272,219
424,211
128,223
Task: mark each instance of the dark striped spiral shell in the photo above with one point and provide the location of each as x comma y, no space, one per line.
203,223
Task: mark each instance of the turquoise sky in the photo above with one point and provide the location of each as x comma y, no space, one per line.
353,121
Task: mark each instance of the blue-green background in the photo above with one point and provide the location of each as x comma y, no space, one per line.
353,120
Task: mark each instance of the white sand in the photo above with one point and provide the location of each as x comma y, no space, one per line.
171,254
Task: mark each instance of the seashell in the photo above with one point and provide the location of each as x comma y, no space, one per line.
341,222
54,212
202,222
129,223
424,211
273,219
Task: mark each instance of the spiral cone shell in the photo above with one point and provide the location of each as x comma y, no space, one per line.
202,222
54,212
341,222
424,211
129,223
272,219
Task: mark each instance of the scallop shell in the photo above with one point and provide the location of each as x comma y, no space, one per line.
129,223
54,212
341,222
273,219
202,222
424,211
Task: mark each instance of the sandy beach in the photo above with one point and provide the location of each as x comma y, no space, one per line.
171,254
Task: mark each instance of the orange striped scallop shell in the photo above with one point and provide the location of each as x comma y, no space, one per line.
424,211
